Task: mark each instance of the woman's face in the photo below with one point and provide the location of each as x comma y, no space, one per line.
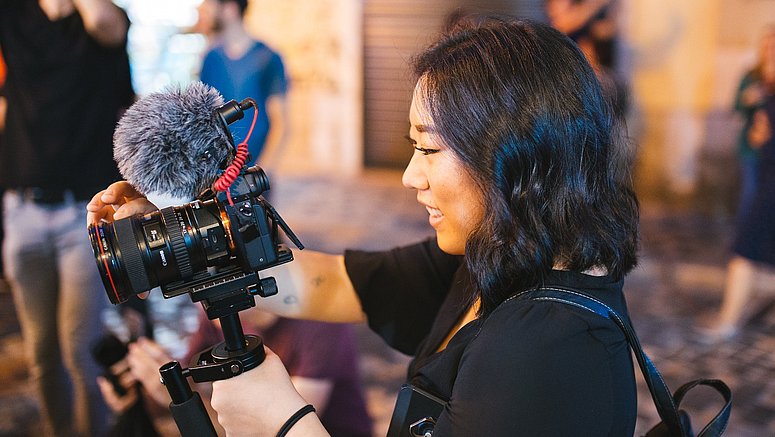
444,187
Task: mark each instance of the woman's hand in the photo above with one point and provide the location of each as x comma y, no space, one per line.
259,401
117,201
760,130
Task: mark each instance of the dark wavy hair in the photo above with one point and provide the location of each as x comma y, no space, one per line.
521,108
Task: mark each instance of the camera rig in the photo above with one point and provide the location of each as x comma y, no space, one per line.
211,249
252,229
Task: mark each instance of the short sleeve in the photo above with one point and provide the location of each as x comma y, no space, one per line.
206,73
277,82
401,290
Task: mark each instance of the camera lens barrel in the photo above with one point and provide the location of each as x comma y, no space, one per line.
173,247
138,253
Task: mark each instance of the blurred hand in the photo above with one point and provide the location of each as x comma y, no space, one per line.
144,359
760,131
118,201
118,403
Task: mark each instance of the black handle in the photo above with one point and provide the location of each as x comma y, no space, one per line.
187,408
192,419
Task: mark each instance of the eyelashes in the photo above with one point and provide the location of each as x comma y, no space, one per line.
423,150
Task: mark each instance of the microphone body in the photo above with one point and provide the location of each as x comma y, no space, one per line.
172,144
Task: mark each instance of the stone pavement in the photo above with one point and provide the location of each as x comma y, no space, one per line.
678,282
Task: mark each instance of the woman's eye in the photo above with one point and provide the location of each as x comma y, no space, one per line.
423,150
426,151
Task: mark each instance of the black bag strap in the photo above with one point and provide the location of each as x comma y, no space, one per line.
666,404
718,424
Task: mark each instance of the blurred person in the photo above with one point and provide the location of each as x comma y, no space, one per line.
590,22
239,66
321,358
521,167
67,80
755,225
749,99
592,25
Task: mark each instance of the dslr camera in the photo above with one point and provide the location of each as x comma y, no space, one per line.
208,248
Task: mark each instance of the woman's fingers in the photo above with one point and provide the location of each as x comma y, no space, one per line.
118,201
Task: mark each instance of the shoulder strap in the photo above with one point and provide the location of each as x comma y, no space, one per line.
665,403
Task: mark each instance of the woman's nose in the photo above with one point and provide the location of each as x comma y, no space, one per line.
413,176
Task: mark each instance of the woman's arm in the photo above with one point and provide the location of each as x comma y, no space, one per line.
314,286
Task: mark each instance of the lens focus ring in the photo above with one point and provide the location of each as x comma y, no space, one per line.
133,261
175,232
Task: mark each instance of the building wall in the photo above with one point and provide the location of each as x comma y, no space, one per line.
682,60
394,30
347,61
321,44
686,59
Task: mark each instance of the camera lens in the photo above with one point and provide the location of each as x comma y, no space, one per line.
138,253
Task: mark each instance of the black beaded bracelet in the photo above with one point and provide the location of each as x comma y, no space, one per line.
295,418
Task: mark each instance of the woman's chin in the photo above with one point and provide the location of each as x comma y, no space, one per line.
451,246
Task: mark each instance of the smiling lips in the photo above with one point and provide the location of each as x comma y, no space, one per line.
435,216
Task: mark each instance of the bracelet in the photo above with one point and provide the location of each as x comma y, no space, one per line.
295,418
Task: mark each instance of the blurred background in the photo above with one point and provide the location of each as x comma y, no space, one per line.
681,62
338,180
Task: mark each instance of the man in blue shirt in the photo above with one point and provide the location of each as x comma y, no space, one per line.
239,66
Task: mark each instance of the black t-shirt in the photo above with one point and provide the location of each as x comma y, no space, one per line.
532,368
65,92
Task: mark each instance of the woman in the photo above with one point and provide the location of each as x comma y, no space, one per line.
755,221
752,93
517,162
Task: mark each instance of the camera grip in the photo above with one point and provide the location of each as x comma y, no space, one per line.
191,418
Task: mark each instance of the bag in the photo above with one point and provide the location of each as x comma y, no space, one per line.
415,413
675,422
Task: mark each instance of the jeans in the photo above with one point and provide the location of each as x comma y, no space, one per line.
59,298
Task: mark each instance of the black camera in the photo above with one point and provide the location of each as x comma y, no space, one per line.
208,248
211,242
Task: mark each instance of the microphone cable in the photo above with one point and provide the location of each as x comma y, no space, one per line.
231,172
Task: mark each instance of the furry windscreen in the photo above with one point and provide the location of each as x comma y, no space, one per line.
171,142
